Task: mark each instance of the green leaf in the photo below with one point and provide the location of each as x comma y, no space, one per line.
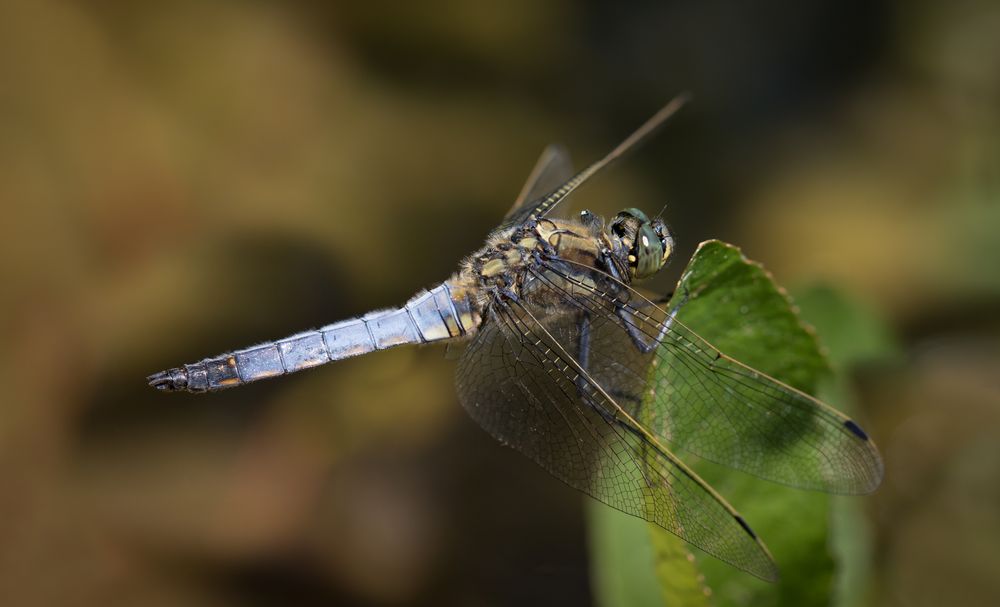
623,560
634,563
734,304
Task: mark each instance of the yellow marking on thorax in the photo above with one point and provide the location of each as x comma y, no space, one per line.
493,267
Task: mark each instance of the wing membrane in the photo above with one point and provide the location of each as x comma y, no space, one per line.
543,206
694,397
520,380
552,169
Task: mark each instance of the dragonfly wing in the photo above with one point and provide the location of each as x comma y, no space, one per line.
694,397
520,380
552,169
544,205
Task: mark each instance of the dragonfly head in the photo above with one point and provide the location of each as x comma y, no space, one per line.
645,244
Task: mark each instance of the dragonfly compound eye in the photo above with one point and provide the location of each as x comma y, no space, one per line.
647,242
647,251
626,226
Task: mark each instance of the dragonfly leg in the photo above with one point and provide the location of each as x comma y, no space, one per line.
644,342
584,389
583,352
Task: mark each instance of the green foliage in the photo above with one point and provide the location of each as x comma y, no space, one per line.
851,332
734,304
853,335
624,561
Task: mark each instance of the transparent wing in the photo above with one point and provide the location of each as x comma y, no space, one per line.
552,169
543,206
694,397
519,380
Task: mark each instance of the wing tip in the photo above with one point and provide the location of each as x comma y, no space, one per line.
772,574
767,570
855,429
874,471
878,473
746,526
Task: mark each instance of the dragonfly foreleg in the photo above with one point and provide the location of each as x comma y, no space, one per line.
640,338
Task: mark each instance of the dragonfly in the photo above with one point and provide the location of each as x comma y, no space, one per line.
560,362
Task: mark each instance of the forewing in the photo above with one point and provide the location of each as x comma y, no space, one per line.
552,169
543,206
520,381
694,397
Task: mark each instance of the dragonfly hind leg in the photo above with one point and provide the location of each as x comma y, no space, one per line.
644,342
583,351
631,400
583,387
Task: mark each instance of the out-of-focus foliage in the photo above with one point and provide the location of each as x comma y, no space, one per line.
182,178
623,560
853,335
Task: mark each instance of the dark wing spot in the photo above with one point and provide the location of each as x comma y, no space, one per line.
856,429
746,527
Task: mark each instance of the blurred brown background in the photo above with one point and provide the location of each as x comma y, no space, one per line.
183,178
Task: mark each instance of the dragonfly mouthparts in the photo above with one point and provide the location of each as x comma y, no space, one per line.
171,380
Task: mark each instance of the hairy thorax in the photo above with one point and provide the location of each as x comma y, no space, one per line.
503,267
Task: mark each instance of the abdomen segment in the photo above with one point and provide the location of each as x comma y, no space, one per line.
433,315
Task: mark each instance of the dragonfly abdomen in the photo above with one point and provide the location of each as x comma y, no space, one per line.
429,316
